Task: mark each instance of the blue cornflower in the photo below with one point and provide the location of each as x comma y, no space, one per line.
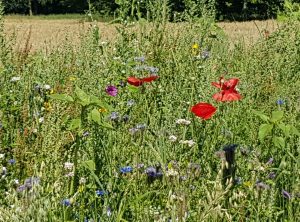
126,169
100,193
114,116
280,102
66,202
153,173
12,161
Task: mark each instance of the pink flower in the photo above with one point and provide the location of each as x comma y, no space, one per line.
111,90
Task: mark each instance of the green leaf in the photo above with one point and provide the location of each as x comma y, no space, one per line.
264,130
261,116
133,89
62,97
106,125
89,164
74,124
295,131
286,129
95,101
83,98
95,116
276,116
279,142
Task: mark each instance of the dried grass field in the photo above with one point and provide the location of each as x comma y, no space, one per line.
46,34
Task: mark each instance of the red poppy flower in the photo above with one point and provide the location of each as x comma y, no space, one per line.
228,91
138,82
226,85
226,95
204,110
149,79
134,81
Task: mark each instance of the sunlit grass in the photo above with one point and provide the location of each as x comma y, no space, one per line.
75,151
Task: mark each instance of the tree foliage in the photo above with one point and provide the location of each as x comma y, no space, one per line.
223,9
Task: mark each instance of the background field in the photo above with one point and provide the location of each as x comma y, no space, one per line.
46,34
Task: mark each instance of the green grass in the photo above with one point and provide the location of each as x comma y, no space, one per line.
42,128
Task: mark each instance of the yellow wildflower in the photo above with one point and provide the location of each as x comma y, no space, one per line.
195,46
248,183
72,78
102,110
47,106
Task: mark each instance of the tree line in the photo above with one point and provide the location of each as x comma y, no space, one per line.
223,9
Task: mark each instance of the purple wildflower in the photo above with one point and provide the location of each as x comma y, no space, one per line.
272,175
111,90
122,83
270,161
133,130
130,102
286,194
140,59
31,181
21,188
153,173
262,185
108,211
114,116
12,161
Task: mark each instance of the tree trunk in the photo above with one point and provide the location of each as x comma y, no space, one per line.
30,7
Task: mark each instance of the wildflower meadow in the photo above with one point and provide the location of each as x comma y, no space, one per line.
165,122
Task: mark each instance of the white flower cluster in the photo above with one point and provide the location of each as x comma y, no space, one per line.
183,122
190,143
